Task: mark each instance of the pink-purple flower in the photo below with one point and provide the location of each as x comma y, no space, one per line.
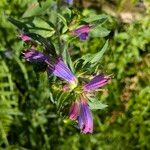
80,111
34,56
60,69
55,65
85,119
82,32
25,37
97,82
74,110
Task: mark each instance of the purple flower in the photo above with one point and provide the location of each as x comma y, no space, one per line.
74,110
54,65
80,111
97,82
35,56
82,32
69,1
60,69
85,119
25,37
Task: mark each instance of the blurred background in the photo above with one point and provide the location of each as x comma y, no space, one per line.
28,119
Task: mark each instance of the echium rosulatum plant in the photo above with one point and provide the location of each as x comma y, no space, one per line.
79,110
41,50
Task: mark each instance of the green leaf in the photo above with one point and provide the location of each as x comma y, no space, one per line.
87,58
20,25
98,19
35,9
97,57
67,13
99,31
63,97
96,104
42,27
67,57
63,20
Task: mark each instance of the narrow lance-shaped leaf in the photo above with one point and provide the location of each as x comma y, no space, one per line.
96,104
62,98
97,57
67,58
98,19
19,24
22,26
99,31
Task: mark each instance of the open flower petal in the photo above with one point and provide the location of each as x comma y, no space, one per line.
85,119
80,111
74,110
60,69
35,56
97,82
25,37
82,32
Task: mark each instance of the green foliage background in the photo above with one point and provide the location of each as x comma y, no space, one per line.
28,118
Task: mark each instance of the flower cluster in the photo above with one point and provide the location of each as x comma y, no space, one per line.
79,110
55,66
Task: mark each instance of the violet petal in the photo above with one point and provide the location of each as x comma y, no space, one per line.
97,82
85,119
35,56
74,111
